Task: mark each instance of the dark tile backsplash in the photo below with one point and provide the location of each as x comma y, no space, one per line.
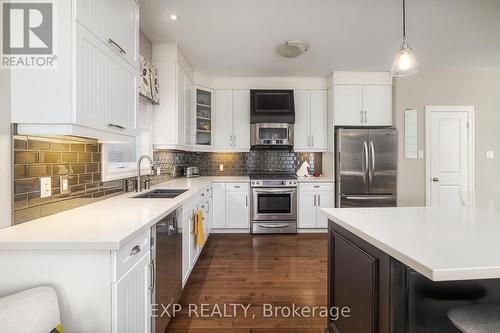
237,164
39,157
36,157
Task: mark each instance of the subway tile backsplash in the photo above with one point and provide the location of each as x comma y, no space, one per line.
36,157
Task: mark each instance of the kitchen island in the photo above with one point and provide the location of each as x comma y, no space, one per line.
402,269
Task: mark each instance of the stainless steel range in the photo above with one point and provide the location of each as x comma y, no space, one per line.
273,203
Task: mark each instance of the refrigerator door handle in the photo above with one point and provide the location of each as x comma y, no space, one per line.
387,197
372,169
365,162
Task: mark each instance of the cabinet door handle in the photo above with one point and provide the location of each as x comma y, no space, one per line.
315,200
153,276
319,200
136,249
116,126
110,41
361,116
365,116
312,140
246,201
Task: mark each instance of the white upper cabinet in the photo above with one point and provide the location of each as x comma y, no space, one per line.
362,99
106,90
311,121
92,91
377,103
241,120
223,135
348,105
232,120
114,22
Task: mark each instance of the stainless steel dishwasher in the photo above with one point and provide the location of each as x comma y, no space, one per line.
166,251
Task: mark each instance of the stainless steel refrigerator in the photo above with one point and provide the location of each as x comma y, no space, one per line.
366,167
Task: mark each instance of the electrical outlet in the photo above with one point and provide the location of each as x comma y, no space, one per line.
221,167
420,154
45,187
490,154
64,182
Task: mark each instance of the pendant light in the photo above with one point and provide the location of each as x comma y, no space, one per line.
405,63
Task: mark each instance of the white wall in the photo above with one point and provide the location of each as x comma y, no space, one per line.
5,151
480,88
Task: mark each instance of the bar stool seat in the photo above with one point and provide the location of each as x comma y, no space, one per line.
479,318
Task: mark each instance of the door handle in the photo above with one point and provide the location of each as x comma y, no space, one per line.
153,277
110,41
315,200
361,116
319,200
116,126
365,164
372,171
312,140
246,201
365,116
435,179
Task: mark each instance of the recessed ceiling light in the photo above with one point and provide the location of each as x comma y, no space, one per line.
293,48
174,17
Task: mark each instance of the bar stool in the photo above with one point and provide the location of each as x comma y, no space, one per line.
478,318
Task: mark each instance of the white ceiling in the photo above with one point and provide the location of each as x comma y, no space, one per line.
239,37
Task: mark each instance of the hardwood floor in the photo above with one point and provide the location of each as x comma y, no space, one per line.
279,270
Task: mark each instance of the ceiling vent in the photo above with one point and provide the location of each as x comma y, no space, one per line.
292,48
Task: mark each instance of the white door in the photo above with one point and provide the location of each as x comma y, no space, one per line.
106,89
449,150
301,139
181,105
325,200
219,205
319,120
223,120
377,103
241,119
307,209
132,299
348,105
237,210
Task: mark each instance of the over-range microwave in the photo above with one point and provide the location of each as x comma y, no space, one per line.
271,135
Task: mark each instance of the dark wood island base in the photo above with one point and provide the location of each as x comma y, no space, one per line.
386,296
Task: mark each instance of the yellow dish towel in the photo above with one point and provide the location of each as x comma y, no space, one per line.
200,237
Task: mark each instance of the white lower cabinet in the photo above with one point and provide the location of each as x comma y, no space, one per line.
132,297
190,249
313,197
231,206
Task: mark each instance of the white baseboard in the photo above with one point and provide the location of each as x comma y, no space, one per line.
312,231
230,231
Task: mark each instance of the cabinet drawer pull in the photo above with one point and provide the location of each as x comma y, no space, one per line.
116,126
237,186
110,41
136,249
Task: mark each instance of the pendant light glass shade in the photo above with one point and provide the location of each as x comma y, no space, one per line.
405,63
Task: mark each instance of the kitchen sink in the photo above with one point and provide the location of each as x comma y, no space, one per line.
161,194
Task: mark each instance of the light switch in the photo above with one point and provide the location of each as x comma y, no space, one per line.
45,187
420,154
64,181
490,154
221,167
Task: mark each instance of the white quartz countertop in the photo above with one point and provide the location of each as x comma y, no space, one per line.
320,179
443,244
104,225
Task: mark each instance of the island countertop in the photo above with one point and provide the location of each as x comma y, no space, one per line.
443,244
104,225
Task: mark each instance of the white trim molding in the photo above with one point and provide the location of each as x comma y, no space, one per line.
471,144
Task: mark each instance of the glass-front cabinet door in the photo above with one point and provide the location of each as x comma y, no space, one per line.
204,113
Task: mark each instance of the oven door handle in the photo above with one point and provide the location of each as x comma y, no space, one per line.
274,191
273,225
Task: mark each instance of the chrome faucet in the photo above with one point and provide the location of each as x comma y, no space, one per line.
139,160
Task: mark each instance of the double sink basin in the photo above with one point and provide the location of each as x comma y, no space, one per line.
161,194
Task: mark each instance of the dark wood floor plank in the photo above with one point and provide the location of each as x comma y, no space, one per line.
280,270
